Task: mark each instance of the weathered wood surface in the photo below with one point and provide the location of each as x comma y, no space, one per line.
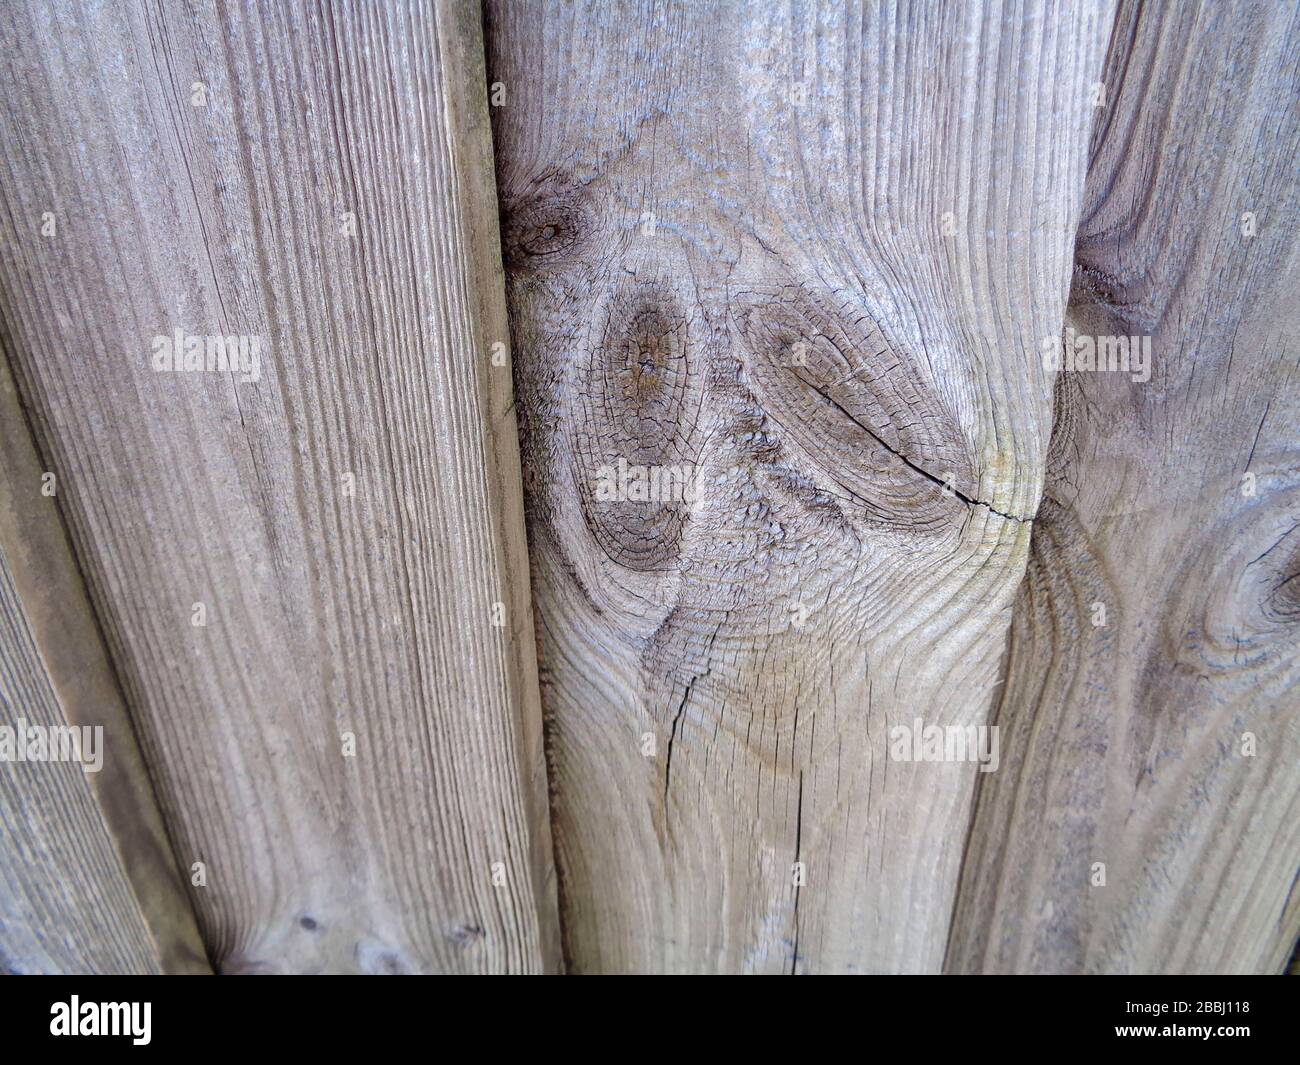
808,251
320,177
1124,742
87,879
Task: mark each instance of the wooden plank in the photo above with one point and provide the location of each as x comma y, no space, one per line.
87,879
1174,505
342,518
805,253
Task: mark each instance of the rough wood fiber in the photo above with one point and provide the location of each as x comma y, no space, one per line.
1124,741
318,176
807,250
87,879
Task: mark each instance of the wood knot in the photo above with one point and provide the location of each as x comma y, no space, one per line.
858,407
547,227
639,399
466,934
1281,579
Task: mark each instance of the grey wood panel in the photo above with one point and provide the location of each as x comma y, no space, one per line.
804,252
87,879
1161,739
315,177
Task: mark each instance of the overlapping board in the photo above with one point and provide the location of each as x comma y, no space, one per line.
309,567
779,276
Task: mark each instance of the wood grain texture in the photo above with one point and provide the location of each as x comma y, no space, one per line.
88,883
1126,740
806,253
319,177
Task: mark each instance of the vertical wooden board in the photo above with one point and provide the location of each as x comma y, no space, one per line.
800,255
346,513
1173,505
87,879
